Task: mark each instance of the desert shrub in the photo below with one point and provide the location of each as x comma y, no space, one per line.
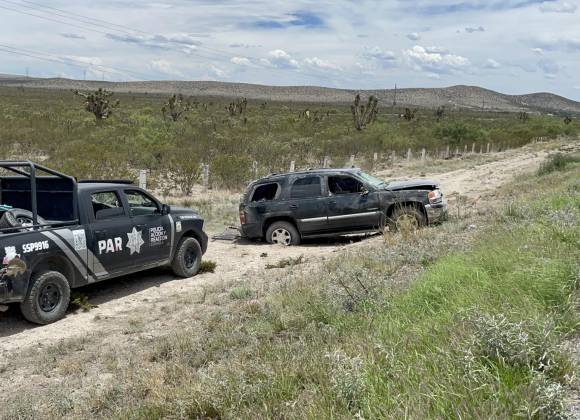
207,266
458,132
230,171
557,162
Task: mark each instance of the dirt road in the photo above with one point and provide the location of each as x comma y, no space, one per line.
152,297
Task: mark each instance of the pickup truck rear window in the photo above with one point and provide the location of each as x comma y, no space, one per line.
265,192
106,205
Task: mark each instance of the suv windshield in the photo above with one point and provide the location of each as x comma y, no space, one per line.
371,180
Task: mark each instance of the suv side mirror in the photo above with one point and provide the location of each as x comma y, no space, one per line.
165,209
364,192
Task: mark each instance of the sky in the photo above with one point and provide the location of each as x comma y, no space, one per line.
512,46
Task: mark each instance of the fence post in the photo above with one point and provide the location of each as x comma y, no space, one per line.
393,156
488,145
480,149
351,160
255,169
143,179
423,153
465,150
375,157
473,148
292,166
447,153
409,154
205,176
325,162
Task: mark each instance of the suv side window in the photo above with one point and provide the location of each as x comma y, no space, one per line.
265,192
106,205
306,187
140,204
344,184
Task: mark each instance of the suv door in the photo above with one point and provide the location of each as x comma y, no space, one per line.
351,205
307,204
151,229
109,226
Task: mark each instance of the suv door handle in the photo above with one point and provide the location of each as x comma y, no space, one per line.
294,206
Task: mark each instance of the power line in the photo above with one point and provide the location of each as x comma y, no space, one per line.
70,61
128,31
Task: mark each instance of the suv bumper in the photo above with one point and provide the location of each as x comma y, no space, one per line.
251,230
436,212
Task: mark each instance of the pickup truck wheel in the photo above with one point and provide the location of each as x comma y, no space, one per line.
407,217
47,299
16,218
187,259
282,233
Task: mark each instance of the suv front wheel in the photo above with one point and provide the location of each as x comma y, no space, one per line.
282,233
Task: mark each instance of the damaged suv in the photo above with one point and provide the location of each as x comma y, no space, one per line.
284,208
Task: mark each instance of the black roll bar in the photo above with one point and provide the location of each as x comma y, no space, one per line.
15,165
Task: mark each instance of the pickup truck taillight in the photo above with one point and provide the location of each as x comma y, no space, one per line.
242,217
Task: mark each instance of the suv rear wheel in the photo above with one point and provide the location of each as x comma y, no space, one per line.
282,233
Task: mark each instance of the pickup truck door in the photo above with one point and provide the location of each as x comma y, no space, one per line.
350,205
109,225
149,224
307,204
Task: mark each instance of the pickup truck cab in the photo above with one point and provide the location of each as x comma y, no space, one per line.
57,234
284,208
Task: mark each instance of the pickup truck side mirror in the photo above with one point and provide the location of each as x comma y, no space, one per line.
165,209
364,192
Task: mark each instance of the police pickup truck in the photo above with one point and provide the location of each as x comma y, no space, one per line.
57,233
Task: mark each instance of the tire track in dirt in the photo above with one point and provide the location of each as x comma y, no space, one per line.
143,294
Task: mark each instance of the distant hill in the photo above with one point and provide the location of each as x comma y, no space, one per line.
467,97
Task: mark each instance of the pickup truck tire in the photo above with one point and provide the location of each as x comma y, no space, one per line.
187,259
409,215
282,233
48,298
15,218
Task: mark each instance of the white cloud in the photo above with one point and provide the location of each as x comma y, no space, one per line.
558,7
538,51
321,64
164,66
414,36
434,60
280,59
241,61
491,64
93,61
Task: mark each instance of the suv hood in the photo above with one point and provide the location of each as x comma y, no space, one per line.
413,184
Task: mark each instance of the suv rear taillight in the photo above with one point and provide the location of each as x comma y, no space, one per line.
242,217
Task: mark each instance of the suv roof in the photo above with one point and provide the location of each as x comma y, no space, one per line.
309,171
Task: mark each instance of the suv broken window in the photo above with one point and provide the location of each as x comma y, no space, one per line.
344,185
265,192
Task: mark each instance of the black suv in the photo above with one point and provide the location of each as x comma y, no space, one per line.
283,208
